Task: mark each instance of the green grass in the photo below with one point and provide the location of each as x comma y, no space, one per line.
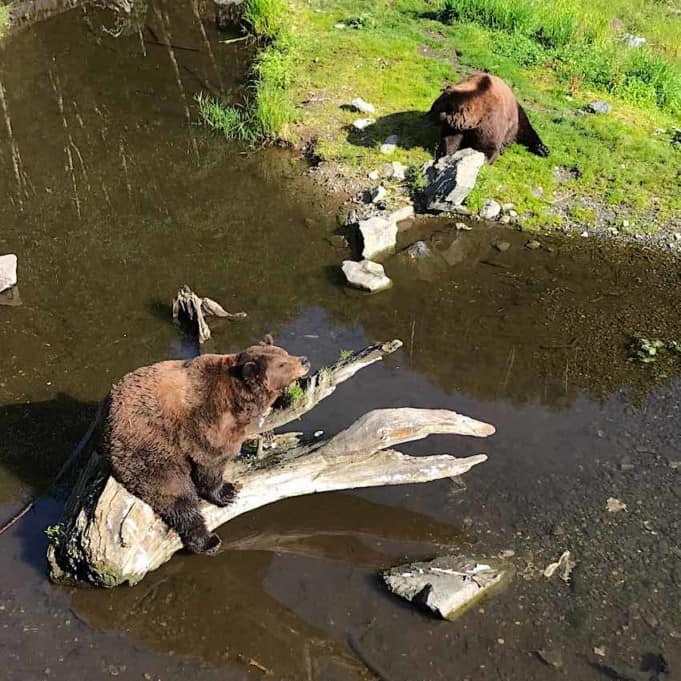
557,56
5,13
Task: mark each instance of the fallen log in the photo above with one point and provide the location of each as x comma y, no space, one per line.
108,537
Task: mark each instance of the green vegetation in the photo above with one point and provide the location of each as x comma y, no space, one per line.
647,350
268,111
345,354
54,533
5,12
557,55
293,393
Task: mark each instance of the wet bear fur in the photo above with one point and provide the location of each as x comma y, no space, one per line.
480,112
171,427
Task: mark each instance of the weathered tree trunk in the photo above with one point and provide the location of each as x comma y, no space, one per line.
108,537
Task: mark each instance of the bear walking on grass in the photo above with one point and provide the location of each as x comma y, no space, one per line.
171,428
481,113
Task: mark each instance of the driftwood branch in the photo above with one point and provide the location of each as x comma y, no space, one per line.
109,537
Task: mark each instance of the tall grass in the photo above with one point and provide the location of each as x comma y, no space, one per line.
577,42
5,13
266,19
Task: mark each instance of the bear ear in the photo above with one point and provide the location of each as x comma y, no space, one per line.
267,340
249,371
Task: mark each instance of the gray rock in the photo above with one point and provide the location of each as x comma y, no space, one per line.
451,179
633,40
533,245
501,246
399,170
366,275
362,106
338,241
463,227
8,271
444,585
599,107
390,144
379,194
362,123
507,207
379,236
402,214
490,210
418,251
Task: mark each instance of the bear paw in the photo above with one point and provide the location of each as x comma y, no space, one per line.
225,494
209,545
541,150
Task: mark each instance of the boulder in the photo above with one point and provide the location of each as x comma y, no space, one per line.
379,236
366,275
490,210
445,585
599,107
450,179
362,106
8,271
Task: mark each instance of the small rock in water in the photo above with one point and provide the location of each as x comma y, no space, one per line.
366,275
399,170
599,107
362,106
362,123
501,246
444,585
463,227
615,505
490,210
564,566
338,241
379,236
533,245
450,179
390,144
379,194
550,657
418,250
8,271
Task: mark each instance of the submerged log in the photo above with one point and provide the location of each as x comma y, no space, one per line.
108,537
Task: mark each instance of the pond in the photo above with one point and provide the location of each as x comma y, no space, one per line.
114,197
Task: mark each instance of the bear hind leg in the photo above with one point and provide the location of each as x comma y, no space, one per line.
184,516
210,485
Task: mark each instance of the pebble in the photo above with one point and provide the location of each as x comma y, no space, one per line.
373,175
533,245
463,227
584,234
362,106
502,246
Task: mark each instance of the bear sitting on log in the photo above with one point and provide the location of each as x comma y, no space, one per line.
171,427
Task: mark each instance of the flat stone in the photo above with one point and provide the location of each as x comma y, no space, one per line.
490,210
366,275
599,107
463,227
402,214
450,179
445,585
501,246
8,271
362,106
379,236
362,123
390,145
533,245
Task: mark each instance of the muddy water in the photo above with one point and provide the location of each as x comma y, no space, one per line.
111,200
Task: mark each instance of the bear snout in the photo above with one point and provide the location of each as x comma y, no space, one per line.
304,363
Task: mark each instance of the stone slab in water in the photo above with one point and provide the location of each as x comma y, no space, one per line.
379,236
366,275
8,271
446,585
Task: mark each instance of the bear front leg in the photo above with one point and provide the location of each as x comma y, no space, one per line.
210,485
450,142
184,516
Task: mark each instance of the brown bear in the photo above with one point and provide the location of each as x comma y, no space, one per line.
171,427
480,112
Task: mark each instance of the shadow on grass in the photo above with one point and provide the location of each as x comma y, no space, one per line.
412,128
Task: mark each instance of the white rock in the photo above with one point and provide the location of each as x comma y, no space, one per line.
339,25
507,207
445,585
362,106
451,179
378,194
390,144
362,123
399,170
584,234
373,175
402,214
463,227
366,275
8,271
490,210
379,236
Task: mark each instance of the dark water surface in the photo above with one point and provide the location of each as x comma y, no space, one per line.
112,201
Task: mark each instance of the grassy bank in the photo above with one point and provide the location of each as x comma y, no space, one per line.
558,56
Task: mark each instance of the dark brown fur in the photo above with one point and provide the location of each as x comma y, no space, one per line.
480,112
172,426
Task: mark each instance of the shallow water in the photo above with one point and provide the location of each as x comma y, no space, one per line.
112,201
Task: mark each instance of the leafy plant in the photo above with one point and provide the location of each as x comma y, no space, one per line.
647,350
54,533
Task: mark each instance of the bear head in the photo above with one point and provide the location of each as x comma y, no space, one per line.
270,368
